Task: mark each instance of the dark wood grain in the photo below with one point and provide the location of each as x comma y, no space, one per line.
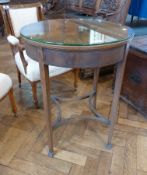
134,88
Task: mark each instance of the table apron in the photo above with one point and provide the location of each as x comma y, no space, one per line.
78,59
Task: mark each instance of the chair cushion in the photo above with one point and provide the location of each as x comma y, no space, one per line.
32,69
5,84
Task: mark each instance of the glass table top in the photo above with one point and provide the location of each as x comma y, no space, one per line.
76,32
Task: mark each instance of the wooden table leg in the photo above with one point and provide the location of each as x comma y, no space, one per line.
95,81
115,101
44,73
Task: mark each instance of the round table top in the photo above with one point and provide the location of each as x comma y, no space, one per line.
76,32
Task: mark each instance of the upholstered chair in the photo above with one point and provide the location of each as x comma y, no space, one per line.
7,89
15,17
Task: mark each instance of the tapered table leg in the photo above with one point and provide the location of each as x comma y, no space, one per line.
44,73
115,101
95,81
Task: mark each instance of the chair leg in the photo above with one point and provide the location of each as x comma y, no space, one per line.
12,101
34,92
75,72
19,78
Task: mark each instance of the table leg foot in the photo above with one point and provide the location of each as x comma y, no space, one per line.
51,154
109,146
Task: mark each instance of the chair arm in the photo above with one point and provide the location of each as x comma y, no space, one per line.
21,47
15,45
13,40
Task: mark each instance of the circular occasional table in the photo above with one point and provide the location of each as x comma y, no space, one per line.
78,43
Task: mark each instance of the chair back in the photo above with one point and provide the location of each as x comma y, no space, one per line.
17,16
118,8
122,11
89,7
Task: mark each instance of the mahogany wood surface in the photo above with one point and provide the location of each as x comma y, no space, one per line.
73,57
134,88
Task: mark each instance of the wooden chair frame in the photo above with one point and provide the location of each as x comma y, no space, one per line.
20,47
12,101
9,26
8,21
81,8
117,16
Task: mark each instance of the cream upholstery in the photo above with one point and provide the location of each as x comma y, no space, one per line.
20,17
5,84
13,40
29,15
32,69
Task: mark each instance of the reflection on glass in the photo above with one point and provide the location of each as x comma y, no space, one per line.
96,37
30,32
76,32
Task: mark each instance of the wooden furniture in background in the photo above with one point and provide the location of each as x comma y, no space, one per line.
2,2
114,10
90,43
15,17
89,7
7,89
134,89
14,2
